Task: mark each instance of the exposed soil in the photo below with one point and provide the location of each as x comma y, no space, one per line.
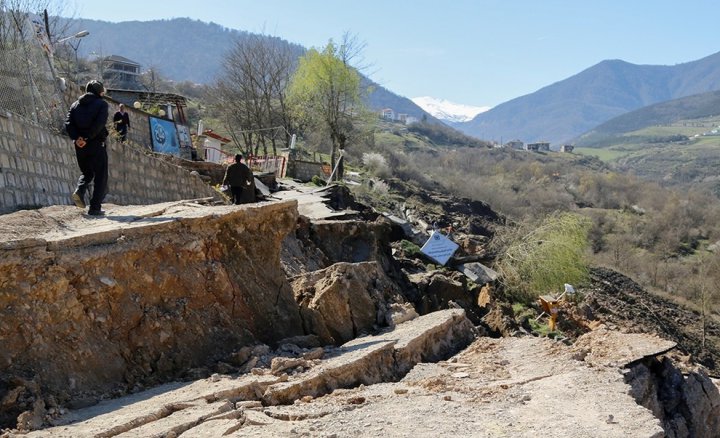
512,386
619,301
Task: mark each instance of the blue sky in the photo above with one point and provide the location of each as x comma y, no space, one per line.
481,52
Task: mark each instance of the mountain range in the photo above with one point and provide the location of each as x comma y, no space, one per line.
183,49
566,109
449,112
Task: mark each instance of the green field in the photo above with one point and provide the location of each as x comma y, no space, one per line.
606,155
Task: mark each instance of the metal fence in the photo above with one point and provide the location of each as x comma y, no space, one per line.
27,86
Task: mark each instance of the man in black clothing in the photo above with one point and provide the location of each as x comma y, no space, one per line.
121,120
85,125
241,181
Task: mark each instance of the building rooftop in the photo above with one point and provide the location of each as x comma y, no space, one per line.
118,58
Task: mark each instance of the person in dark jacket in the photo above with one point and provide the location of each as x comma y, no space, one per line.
121,120
85,125
241,181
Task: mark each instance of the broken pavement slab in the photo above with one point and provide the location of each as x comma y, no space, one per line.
402,223
603,347
428,338
507,387
312,200
180,420
373,359
478,272
366,364
178,406
63,226
111,417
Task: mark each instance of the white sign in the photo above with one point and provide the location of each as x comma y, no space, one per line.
439,248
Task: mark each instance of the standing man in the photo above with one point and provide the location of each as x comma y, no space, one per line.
85,125
121,120
241,181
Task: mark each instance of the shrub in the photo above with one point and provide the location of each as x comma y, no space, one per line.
409,248
376,164
380,187
318,181
546,258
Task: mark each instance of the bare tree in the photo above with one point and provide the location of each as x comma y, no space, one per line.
153,80
250,96
704,285
27,86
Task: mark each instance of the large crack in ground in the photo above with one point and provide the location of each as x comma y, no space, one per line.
364,361
401,382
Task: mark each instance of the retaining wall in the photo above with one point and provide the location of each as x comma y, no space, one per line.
38,168
305,170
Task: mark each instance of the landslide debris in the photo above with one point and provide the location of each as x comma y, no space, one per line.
350,274
619,301
91,308
522,387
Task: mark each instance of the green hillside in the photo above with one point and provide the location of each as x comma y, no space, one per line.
561,111
188,57
676,143
688,116
655,234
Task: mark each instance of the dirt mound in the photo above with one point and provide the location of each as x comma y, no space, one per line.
466,216
618,300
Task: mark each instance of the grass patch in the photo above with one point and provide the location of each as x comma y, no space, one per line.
539,327
605,155
409,248
519,309
543,329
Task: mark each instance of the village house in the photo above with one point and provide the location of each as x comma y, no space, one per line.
542,146
120,72
515,144
387,114
210,147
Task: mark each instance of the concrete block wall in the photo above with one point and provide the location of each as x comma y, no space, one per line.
304,170
139,132
38,168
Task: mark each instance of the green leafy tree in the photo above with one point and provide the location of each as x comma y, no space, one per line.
325,95
546,258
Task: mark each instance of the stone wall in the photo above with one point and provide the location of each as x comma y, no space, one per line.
305,170
139,132
38,168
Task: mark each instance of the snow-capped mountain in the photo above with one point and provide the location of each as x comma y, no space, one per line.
448,111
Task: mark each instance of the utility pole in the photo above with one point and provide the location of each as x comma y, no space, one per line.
77,62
